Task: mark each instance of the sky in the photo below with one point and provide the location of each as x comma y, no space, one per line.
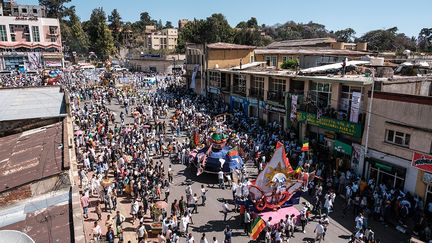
409,16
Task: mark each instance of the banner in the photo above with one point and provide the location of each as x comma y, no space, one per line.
422,161
355,106
357,154
293,115
194,73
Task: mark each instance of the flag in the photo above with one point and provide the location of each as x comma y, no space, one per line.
278,165
257,227
298,170
305,147
233,152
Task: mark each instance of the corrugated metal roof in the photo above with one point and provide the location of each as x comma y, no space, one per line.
228,46
301,42
310,51
29,103
30,156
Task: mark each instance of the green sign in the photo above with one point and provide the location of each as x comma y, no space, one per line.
342,147
344,127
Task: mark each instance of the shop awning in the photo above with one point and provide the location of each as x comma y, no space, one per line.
342,147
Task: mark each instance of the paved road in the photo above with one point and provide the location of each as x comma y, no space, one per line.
209,219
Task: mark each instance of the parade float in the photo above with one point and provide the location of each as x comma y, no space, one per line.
278,185
215,154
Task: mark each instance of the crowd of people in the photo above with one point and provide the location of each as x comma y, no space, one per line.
120,159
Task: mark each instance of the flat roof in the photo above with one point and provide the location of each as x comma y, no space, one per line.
30,103
301,42
30,156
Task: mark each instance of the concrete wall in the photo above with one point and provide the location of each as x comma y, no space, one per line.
412,118
227,58
413,88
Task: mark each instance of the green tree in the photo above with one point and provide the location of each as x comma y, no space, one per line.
169,25
241,25
72,32
387,40
101,40
116,27
252,23
345,35
425,39
54,8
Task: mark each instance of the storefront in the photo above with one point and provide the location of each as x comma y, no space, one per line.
423,162
254,109
276,114
394,172
335,136
238,103
52,60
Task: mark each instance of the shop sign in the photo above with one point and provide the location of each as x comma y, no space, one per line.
254,102
342,147
53,63
344,127
213,90
422,161
275,108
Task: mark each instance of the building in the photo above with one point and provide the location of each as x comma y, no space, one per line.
157,63
165,39
36,150
310,52
400,143
200,59
28,40
182,23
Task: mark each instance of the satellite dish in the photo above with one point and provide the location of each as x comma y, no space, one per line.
15,236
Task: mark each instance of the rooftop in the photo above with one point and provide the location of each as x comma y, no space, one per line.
310,51
301,42
30,156
44,218
229,46
30,103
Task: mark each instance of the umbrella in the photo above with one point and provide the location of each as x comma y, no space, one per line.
79,132
161,204
106,182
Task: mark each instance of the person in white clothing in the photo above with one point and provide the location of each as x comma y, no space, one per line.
319,231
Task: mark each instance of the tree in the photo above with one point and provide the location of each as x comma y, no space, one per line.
387,40
72,32
159,25
101,40
425,39
241,25
169,25
252,23
346,35
115,27
54,8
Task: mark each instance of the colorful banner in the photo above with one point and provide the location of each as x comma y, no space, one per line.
355,106
194,73
422,161
344,127
293,115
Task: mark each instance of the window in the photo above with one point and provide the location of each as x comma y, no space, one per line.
320,94
257,87
252,59
398,138
346,97
271,60
239,84
3,34
215,79
36,36
35,11
276,90
24,10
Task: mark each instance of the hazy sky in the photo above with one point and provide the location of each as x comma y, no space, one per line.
362,16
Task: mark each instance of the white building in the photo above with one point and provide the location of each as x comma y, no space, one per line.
28,39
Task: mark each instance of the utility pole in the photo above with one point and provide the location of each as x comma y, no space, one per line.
369,116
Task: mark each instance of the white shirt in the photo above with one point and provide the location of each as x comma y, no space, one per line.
220,175
319,229
225,208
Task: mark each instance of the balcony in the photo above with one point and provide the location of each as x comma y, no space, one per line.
256,93
240,90
276,96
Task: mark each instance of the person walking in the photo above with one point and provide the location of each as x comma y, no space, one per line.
225,210
85,204
247,222
227,234
141,232
203,195
110,235
319,231
221,179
